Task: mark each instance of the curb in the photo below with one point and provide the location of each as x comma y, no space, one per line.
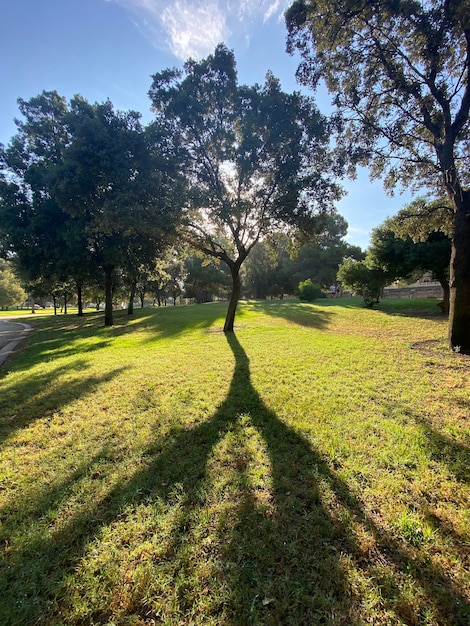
8,350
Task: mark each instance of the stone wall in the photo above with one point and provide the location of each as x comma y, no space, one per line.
433,290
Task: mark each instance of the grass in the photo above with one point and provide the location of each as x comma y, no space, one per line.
313,468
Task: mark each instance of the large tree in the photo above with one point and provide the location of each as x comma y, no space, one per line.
115,178
256,158
44,244
400,72
85,186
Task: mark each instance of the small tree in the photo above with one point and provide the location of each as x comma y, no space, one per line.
308,291
363,280
400,256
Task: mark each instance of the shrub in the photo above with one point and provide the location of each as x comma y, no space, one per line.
308,291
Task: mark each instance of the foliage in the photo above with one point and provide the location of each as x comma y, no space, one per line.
308,291
276,266
11,292
422,217
204,279
363,280
400,75
257,159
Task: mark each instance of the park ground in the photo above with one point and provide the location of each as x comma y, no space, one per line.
311,468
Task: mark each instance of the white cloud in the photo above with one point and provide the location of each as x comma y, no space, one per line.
193,28
272,10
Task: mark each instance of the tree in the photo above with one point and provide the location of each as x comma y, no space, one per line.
11,292
103,180
400,72
416,239
42,254
363,280
256,159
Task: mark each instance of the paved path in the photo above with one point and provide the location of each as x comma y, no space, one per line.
11,334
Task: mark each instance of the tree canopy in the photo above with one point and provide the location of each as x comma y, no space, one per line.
400,73
256,159
99,178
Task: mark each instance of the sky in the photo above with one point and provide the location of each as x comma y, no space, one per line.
110,49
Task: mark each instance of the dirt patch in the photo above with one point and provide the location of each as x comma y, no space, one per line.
439,348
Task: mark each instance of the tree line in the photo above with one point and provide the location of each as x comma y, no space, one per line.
88,191
225,167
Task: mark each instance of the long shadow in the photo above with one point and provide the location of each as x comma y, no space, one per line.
300,313
427,309
282,562
37,395
64,336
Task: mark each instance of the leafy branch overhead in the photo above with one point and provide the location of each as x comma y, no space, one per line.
399,73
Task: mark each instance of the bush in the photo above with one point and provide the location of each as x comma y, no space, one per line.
308,291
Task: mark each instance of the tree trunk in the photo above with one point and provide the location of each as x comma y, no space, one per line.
80,299
444,283
108,305
459,310
234,298
130,308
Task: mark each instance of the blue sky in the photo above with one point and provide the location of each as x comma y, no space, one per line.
110,48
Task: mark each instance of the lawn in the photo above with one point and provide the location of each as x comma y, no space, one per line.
312,468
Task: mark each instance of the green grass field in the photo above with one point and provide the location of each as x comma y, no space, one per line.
312,468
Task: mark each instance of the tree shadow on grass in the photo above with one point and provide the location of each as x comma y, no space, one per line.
420,307
65,336
445,449
39,395
286,555
299,313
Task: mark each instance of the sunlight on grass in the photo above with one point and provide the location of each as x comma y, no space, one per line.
311,469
